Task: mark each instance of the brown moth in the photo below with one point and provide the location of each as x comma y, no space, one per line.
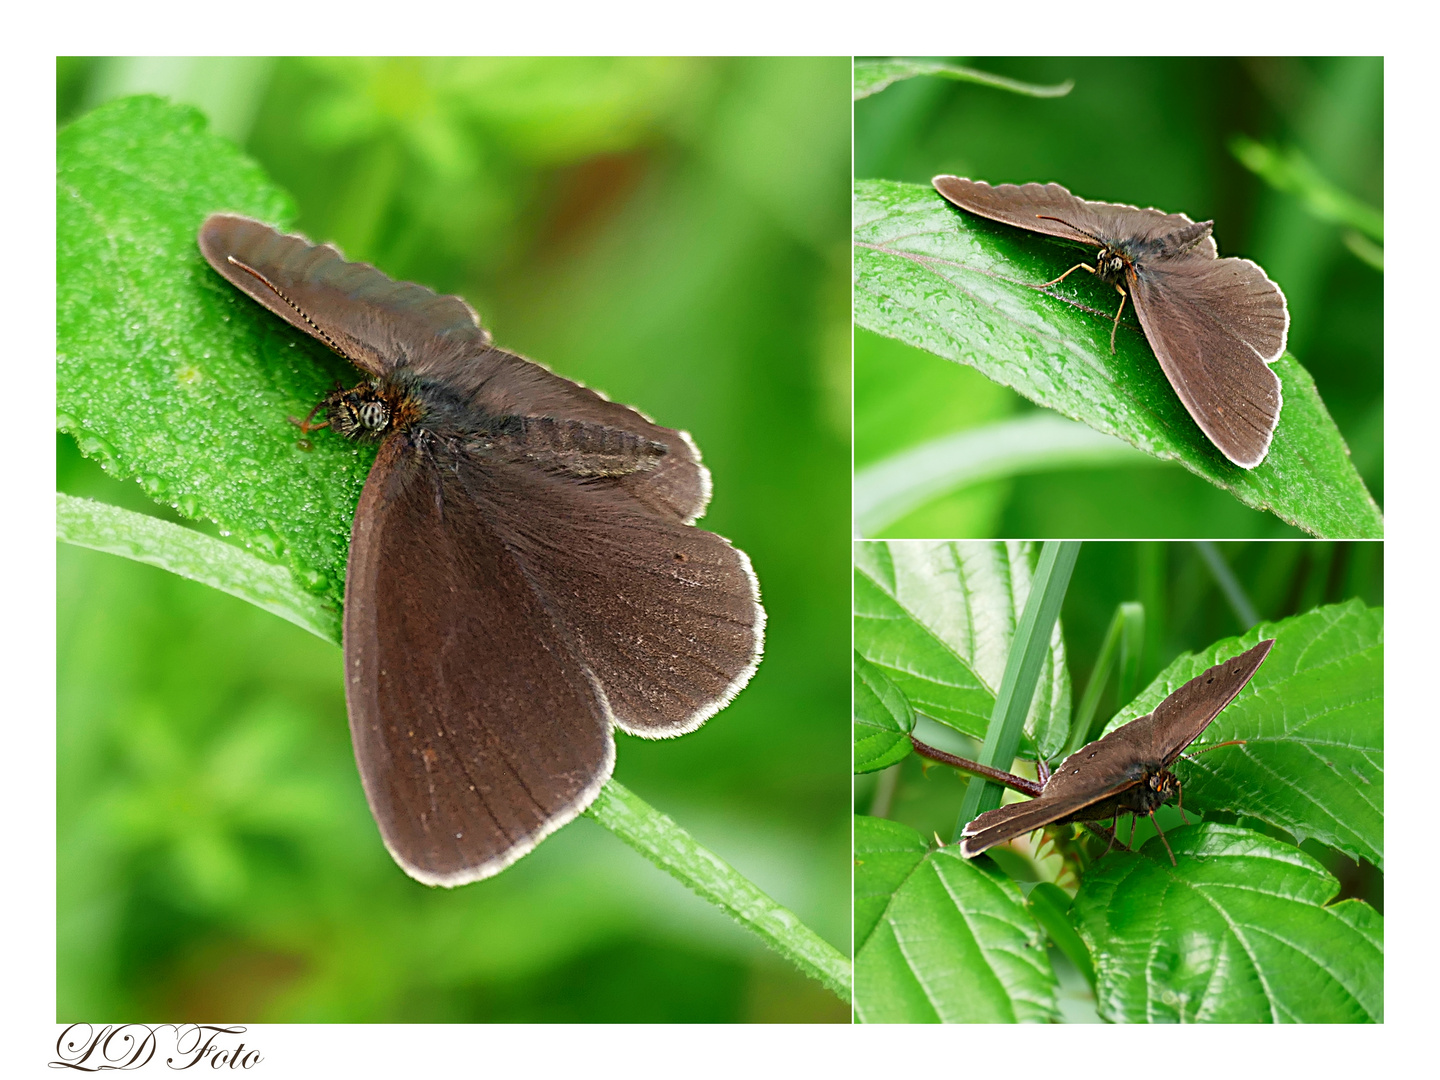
1128,769
524,570
1215,324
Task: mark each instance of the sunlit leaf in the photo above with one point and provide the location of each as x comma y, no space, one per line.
872,76
1312,718
940,940
938,618
165,373
882,718
1240,931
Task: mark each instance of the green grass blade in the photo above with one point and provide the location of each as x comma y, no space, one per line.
675,851
888,490
1022,670
194,555
872,76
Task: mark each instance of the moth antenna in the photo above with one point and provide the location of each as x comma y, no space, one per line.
1161,834
1206,750
1082,232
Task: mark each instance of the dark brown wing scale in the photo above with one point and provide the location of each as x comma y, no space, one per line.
1097,773
523,569
1215,324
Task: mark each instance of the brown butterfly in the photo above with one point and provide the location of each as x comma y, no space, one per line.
1215,324
524,569
1128,769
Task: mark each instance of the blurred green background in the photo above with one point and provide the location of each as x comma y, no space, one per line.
1162,133
1186,608
673,232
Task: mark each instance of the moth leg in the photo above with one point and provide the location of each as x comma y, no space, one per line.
1114,833
1067,273
1162,838
1116,324
1134,820
1180,803
1042,770
306,426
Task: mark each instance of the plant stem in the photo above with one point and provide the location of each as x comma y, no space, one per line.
675,851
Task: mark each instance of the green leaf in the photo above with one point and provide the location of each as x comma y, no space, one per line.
166,373
1122,641
1240,931
883,719
672,849
872,76
196,556
939,939
942,280
938,618
1314,730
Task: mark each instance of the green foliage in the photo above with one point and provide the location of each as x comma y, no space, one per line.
1313,724
872,76
645,239
941,940
938,279
1028,656
938,618
166,374
883,719
1240,931
196,556
1149,131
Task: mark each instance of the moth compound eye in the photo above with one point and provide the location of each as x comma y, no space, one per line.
373,415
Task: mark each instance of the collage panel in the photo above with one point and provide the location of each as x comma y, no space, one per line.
1119,782
1119,297
269,275
481,482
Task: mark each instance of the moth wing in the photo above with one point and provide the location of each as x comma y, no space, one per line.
1181,718
1026,206
665,616
500,383
1106,765
382,325
1216,325
1035,206
372,320
1007,822
477,730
